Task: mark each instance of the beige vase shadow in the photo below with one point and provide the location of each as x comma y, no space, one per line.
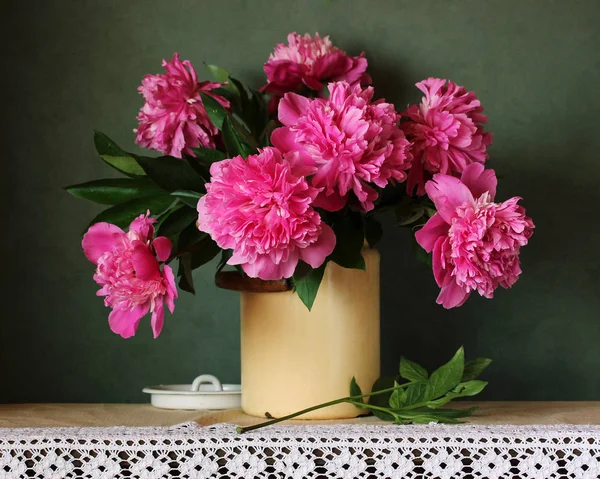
293,359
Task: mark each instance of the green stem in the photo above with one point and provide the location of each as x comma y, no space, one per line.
348,399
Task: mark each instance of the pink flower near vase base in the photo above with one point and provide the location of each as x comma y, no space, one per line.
446,130
311,62
259,208
475,242
346,144
173,119
128,270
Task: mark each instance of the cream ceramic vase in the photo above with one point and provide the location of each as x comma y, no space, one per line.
293,359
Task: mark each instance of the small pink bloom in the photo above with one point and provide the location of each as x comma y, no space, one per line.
347,143
446,130
262,210
310,61
475,242
129,272
173,120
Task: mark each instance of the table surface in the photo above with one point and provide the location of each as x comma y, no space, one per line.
90,415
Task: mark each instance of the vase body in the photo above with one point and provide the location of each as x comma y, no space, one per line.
293,358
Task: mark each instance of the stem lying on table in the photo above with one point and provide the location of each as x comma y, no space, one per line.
349,399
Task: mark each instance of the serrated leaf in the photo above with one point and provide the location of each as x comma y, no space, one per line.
177,221
412,371
446,377
113,191
124,213
355,390
350,237
307,286
216,112
172,174
112,154
474,368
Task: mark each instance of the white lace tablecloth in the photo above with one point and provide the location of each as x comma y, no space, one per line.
298,451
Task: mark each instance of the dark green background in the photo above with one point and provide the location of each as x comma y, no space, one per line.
72,66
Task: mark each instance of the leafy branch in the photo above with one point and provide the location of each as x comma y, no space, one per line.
416,401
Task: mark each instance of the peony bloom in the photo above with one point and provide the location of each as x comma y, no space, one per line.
446,131
475,242
348,143
173,120
263,211
128,270
310,61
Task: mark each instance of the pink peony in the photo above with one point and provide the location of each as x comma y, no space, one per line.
446,132
262,211
348,143
173,120
130,275
310,61
475,242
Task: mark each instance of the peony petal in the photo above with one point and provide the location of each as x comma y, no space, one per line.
172,294
429,234
479,180
284,140
316,253
100,238
448,193
158,318
264,268
452,295
162,247
332,202
142,225
125,322
438,259
144,262
291,107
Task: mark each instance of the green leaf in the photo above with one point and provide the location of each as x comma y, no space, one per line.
176,221
225,255
190,198
216,112
412,371
124,213
373,231
112,191
350,237
307,286
474,368
382,400
112,154
470,388
198,245
355,390
233,140
447,376
219,74
423,256
186,280
172,174
208,156
408,211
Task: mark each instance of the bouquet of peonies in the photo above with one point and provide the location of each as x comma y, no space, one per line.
281,180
